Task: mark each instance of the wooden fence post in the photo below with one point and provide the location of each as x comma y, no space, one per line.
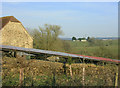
119,75
83,78
21,76
116,77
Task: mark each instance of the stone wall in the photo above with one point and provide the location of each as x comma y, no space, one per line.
15,34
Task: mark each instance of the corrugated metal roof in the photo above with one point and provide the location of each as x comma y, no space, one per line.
39,51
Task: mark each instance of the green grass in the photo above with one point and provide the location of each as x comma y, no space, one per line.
101,48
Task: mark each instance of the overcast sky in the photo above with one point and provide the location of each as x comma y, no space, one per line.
79,19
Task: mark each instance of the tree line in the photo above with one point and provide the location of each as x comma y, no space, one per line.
47,38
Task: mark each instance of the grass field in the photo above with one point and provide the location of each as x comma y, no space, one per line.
100,48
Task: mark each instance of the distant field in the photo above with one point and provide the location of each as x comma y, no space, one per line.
100,48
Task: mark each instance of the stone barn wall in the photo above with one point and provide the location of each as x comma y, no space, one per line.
14,34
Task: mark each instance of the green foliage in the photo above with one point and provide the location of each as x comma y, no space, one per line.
79,39
62,60
83,38
11,80
92,41
99,48
70,60
66,46
73,38
47,38
88,38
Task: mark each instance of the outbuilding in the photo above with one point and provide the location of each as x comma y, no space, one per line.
13,33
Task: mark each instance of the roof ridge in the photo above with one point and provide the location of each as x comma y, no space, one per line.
6,19
6,16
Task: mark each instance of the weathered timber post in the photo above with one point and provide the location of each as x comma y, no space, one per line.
70,61
116,77
83,78
21,76
71,70
22,63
